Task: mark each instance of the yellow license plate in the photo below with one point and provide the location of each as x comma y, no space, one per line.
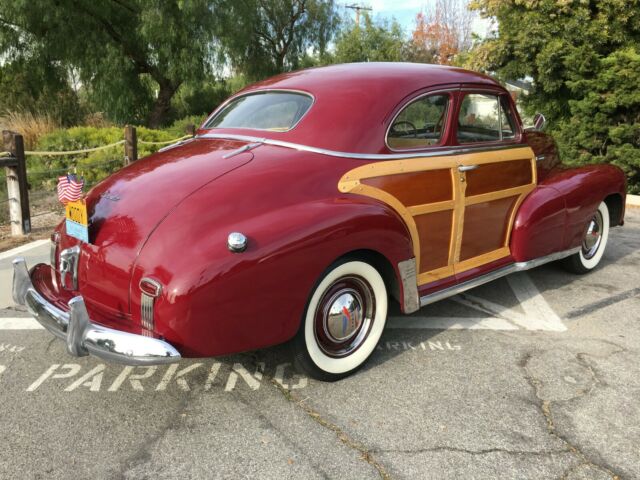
77,220
77,212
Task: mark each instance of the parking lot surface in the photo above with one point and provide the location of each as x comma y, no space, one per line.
533,376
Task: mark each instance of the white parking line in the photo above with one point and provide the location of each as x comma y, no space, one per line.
538,315
22,248
19,323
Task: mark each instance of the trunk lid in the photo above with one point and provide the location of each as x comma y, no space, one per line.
125,208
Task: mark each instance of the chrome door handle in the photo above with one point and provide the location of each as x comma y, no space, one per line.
467,168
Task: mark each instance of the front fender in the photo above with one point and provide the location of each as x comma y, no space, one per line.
555,215
217,302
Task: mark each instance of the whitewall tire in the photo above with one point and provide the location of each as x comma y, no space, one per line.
343,321
593,244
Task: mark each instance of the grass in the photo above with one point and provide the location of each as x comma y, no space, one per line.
30,126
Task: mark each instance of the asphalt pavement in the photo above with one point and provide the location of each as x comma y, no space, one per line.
534,376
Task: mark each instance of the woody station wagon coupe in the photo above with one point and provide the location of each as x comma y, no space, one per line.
303,204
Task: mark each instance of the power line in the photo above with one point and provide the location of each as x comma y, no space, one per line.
357,7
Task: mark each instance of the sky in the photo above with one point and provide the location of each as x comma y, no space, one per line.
404,11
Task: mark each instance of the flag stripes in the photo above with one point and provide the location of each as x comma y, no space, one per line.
69,188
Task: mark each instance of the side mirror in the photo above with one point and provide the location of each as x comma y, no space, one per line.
538,122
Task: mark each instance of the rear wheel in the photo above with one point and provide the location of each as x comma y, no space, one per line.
343,321
593,244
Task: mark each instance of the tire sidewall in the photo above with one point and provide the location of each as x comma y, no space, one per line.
591,263
344,365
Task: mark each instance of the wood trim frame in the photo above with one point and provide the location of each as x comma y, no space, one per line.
351,183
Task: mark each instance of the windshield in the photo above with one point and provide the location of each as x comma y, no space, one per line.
278,111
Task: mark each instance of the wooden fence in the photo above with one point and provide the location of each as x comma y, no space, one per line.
13,159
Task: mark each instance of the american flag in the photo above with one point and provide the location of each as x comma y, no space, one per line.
69,188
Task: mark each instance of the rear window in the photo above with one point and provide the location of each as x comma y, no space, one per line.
277,111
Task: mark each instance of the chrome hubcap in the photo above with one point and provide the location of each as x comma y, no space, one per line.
593,238
344,316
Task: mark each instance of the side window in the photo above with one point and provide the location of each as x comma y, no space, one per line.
420,124
484,118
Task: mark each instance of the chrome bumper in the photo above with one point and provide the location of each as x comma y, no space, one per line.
83,337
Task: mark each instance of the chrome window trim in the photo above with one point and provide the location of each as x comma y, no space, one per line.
364,156
449,91
254,92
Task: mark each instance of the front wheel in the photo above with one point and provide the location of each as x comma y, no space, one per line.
593,244
343,321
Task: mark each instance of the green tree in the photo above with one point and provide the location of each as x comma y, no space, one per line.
260,38
40,87
132,55
584,58
372,41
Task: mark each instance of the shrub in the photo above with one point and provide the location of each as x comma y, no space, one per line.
43,171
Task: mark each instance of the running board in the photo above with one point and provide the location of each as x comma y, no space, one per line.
494,275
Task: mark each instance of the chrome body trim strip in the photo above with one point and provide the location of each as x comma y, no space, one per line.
409,279
81,335
245,148
494,275
361,156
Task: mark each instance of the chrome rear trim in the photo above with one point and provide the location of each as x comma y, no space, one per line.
360,156
84,337
494,275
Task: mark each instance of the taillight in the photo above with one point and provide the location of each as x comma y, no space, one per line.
151,289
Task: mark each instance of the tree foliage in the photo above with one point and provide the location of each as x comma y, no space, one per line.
371,41
260,38
131,55
442,32
584,58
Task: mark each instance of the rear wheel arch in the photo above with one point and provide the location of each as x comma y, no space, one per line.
381,263
616,208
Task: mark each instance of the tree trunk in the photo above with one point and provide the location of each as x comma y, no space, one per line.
162,105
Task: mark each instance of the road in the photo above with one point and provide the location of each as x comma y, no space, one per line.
534,376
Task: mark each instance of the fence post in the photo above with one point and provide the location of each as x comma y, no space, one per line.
130,144
17,186
191,129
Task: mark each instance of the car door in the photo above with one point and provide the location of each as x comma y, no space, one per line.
493,177
421,187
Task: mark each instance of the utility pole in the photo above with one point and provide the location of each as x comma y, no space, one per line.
357,7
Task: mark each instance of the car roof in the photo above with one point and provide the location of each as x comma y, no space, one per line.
402,76
353,101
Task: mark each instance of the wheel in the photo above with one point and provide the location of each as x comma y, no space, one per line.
343,321
593,245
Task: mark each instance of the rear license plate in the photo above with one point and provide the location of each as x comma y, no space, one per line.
77,220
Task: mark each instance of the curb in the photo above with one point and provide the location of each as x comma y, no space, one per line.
22,248
633,201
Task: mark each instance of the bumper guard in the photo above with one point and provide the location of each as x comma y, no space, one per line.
83,337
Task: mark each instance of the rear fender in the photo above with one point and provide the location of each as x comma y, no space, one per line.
220,302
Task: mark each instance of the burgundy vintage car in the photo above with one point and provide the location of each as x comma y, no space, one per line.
303,204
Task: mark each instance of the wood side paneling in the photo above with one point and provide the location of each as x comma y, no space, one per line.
498,176
434,230
485,227
416,188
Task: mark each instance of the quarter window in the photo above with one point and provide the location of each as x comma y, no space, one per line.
484,118
421,123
